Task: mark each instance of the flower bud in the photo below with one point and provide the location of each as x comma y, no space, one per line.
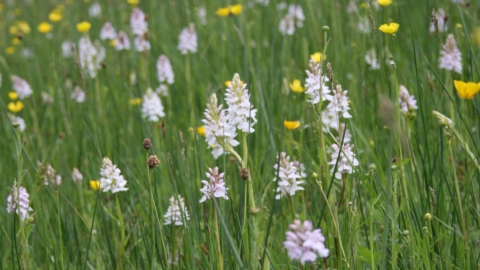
147,144
428,217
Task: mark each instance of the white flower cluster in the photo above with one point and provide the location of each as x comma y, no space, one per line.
95,10
138,22
316,84
352,7
77,176
346,160
289,174
442,19
450,55
111,177
240,112
305,244
50,176
215,187
21,87
294,18
177,213
219,133
221,125
122,42
18,202
202,15
108,32
337,108
187,40
139,25
68,48
364,25
17,119
91,56
407,101
371,59
78,94
152,108
164,74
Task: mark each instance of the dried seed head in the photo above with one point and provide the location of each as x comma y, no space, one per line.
204,248
394,160
153,161
147,144
244,174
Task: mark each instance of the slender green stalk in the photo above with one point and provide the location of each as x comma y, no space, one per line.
121,246
152,216
219,247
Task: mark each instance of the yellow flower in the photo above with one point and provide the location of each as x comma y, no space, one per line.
83,27
466,90
291,125
201,130
94,184
55,16
23,27
318,57
391,28
135,101
10,50
133,2
13,30
15,41
44,27
459,25
12,95
1,6
296,86
15,107
384,2
230,10
236,9
227,83
113,42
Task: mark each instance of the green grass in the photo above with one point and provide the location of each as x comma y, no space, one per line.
379,221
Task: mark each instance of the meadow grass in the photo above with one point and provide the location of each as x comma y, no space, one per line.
411,203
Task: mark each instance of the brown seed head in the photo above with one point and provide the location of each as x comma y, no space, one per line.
204,248
244,174
147,144
153,161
